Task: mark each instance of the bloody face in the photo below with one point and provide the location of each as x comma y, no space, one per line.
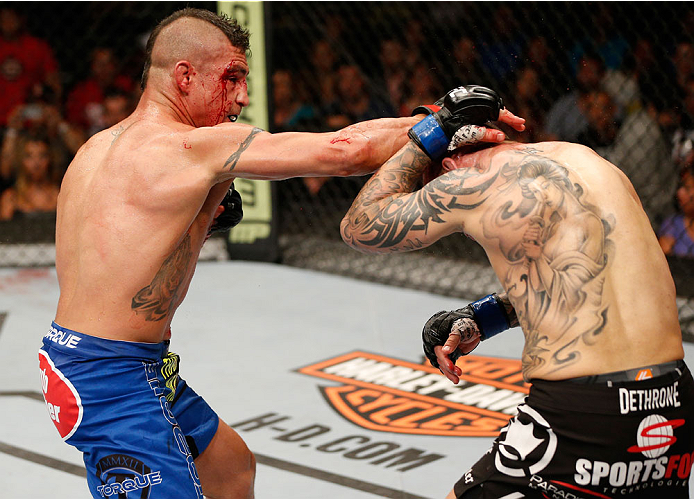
223,89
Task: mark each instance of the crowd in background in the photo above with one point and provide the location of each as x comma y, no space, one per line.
43,124
630,98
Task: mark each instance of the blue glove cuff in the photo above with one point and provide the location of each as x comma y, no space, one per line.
431,136
490,316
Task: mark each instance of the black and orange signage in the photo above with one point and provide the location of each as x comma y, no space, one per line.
386,394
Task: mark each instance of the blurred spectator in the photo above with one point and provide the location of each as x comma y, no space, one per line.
25,61
354,100
683,136
566,119
683,62
526,99
602,37
393,74
40,116
468,68
638,147
415,41
34,190
321,75
542,58
676,235
118,105
669,92
85,103
502,46
422,88
646,67
291,111
601,114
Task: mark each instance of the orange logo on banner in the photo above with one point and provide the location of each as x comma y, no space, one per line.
385,394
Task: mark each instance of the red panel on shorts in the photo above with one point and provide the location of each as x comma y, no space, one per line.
62,400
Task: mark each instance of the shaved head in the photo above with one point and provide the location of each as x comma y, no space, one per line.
194,35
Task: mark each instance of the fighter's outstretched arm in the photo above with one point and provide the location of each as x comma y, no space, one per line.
234,150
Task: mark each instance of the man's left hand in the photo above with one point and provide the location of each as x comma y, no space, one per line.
232,212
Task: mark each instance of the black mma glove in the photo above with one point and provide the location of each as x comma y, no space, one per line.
232,214
468,105
489,315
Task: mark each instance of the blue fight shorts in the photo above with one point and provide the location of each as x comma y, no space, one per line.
124,406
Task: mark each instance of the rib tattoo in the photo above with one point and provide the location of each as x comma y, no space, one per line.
156,301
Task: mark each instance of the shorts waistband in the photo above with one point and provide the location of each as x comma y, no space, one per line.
611,396
637,374
81,344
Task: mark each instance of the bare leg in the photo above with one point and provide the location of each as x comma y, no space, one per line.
227,467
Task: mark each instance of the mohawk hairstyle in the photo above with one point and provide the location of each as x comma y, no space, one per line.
237,35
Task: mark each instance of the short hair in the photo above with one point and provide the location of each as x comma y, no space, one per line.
237,35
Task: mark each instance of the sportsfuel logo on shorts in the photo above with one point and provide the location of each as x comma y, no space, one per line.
654,437
392,395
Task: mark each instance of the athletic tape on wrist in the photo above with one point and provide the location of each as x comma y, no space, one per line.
431,136
490,316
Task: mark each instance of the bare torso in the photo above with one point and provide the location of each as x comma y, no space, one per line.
137,201
568,240
133,213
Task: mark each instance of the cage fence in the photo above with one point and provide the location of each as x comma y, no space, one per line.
616,76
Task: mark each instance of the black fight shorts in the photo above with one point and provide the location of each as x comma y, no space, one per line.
594,439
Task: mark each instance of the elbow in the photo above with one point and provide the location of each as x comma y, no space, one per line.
349,234
346,232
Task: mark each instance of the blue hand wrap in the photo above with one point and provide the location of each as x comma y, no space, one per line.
431,136
490,316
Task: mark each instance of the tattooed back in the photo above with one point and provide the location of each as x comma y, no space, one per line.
569,241
565,234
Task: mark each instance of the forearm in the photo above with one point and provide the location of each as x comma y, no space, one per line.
383,217
381,138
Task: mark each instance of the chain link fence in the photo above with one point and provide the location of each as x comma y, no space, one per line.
616,76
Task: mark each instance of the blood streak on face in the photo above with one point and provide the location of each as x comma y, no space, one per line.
233,79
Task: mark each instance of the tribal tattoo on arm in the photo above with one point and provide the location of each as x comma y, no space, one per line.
157,300
384,215
387,216
232,160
